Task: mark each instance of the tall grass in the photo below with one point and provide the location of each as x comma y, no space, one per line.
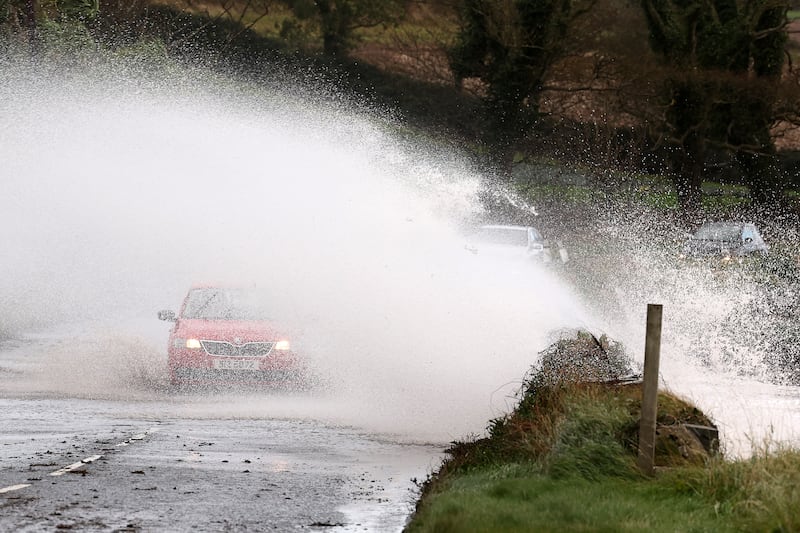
565,460
762,492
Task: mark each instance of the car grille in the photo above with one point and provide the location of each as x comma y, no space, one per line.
228,349
238,376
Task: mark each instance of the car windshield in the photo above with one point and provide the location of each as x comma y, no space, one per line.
508,236
718,231
225,304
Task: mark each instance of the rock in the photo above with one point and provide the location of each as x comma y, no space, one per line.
678,445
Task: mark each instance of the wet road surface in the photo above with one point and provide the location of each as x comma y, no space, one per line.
165,464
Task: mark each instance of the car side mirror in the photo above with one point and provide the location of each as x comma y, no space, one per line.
167,315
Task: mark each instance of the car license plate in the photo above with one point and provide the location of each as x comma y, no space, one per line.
236,364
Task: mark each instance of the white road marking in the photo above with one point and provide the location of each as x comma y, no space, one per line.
12,488
83,462
137,437
74,466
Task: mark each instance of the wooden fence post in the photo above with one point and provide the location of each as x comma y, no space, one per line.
652,354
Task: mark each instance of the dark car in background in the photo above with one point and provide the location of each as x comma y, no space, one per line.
225,335
725,242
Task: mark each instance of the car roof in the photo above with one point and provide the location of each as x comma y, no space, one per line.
726,223
221,286
506,227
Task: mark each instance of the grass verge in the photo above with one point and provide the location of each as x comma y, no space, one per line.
565,460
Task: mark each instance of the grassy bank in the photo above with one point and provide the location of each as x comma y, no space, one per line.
565,460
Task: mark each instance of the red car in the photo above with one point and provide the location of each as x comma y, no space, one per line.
224,335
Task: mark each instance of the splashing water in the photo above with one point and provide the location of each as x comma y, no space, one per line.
120,193
727,340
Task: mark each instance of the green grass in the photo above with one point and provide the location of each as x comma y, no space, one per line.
409,33
565,460
652,190
574,194
526,501
762,492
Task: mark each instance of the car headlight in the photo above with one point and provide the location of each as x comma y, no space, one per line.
282,345
192,344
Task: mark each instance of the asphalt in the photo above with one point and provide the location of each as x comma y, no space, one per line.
172,461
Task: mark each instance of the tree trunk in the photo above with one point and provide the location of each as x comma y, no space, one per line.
762,176
689,189
30,25
332,44
333,28
689,162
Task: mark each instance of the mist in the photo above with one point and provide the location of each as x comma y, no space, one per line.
120,192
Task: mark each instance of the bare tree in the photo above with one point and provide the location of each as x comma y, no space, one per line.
511,46
20,17
338,20
243,14
723,60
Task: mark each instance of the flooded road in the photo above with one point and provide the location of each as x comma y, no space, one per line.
168,463
357,230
